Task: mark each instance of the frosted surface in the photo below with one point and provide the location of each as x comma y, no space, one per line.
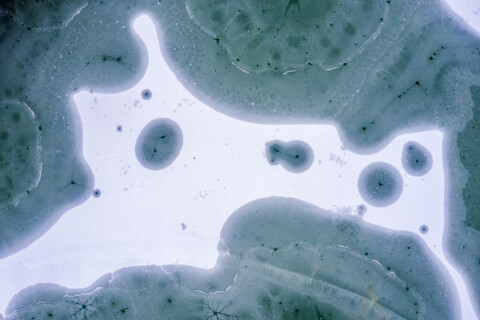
350,91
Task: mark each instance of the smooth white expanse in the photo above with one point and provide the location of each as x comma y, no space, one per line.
175,215
469,10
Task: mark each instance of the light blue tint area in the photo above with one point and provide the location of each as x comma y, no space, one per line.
153,188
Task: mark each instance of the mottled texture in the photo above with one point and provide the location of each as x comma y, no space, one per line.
419,70
20,162
273,264
48,51
468,142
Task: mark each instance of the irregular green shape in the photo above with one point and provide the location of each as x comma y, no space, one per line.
20,162
44,15
43,62
470,157
279,258
287,35
416,74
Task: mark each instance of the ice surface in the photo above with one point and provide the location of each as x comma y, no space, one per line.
279,258
408,67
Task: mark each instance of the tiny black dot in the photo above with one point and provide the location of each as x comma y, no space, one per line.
423,228
146,94
97,193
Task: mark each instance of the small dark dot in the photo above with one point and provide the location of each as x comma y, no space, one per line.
423,228
97,193
146,94
119,128
361,210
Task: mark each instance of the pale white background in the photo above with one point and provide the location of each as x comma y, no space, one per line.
175,215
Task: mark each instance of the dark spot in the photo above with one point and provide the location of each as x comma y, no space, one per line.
97,193
423,228
361,210
16,117
146,94
4,135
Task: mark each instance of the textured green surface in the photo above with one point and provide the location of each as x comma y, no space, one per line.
279,258
416,68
